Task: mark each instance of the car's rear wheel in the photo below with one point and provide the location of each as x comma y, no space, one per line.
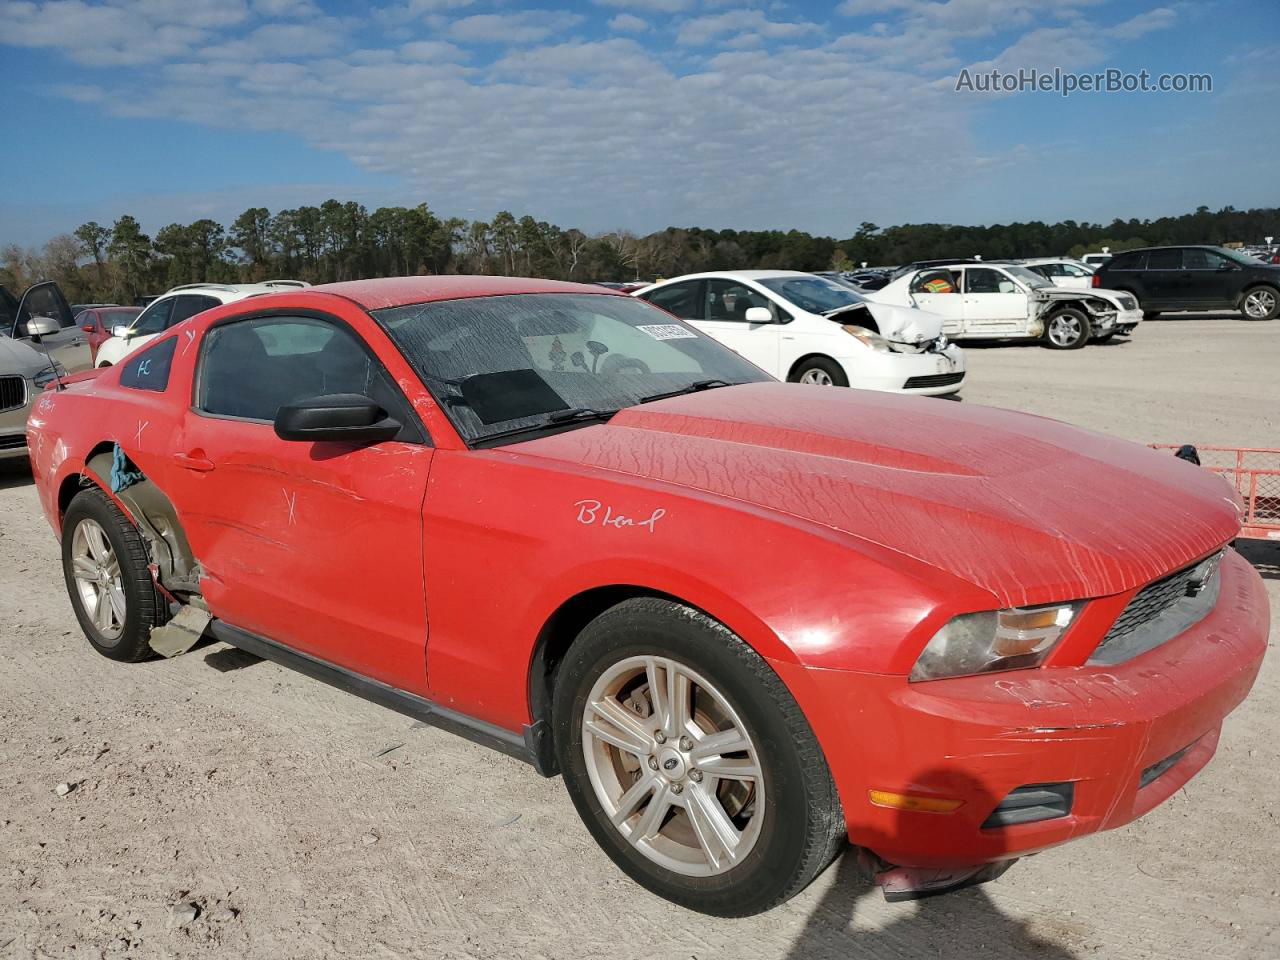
690,762
1260,303
819,372
104,561
1067,329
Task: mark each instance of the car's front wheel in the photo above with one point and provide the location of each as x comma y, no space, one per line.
1261,303
819,372
104,560
690,763
1068,329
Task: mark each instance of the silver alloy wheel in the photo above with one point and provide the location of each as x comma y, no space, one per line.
97,574
1064,329
673,766
1259,304
817,376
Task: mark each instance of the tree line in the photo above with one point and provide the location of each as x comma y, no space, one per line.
345,241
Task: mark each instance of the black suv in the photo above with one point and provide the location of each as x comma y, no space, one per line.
1194,278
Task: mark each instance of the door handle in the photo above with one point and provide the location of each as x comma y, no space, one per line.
194,461
77,342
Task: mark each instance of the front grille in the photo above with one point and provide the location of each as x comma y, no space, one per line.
933,380
1031,804
1180,598
13,393
13,442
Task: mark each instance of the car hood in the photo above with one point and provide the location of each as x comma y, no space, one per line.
1074,293
1030,509
897,323
20,358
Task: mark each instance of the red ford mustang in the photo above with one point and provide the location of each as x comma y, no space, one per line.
747,621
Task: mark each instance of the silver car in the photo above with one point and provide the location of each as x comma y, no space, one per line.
27,364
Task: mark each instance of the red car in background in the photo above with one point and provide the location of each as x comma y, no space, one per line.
99,322
750,622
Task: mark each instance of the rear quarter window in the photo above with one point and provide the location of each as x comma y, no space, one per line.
149,370
1127,261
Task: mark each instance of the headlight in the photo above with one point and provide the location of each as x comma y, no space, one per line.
46,376
872,340
994,640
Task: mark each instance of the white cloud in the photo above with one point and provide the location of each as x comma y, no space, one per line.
662,6
702,30
1160,18
626,23
525,26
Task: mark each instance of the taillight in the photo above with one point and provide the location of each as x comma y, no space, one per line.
1096,281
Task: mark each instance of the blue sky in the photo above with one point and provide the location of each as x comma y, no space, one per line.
633,114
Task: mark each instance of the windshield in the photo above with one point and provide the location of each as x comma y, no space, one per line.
596,352
1029,277
813,294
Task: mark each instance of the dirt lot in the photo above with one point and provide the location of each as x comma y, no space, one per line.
306,823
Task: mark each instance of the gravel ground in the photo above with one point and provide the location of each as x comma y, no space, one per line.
220,803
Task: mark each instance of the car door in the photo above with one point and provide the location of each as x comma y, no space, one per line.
1209,279
151,322
314,545
724,317
1162,278
70,345
994,303
1062,274
938,291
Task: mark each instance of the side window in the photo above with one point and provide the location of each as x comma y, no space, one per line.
1127,261
935,281
983,280
155,318
1201,260
1164,260
1046,270
728,300
189,306
678,298
251,368
149,369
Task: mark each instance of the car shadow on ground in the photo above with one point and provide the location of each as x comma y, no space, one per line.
1263,554
965,923
15,473
1038,344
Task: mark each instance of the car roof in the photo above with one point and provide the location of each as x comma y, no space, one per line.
402,291
739,275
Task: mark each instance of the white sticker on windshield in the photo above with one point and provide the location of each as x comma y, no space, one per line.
668,331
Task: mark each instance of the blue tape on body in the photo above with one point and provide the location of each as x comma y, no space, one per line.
123,473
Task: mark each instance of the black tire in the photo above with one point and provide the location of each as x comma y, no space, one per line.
1082,329
803,827
1271,295
819,367
145,607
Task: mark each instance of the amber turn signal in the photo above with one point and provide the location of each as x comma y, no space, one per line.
913,802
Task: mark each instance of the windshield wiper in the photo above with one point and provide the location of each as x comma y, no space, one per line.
560,418
696,387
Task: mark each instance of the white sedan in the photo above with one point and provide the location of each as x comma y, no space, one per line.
808,329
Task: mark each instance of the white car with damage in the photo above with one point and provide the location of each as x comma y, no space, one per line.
809,329
1000,301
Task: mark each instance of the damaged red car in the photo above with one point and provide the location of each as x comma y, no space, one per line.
750,623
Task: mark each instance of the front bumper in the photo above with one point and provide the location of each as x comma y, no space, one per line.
1127,321
976,739
926,374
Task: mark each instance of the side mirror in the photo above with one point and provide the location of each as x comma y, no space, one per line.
758,315
38,327
88,328
121,330
342,417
